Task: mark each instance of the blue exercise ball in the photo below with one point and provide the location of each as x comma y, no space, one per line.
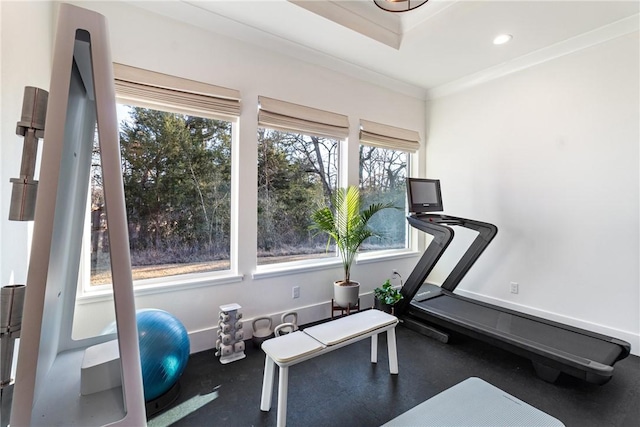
164,350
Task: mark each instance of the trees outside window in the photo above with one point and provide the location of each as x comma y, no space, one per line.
177,182
296,174
382,174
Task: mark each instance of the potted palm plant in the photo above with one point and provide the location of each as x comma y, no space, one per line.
348,227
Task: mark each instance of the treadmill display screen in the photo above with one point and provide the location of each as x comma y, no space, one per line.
424,195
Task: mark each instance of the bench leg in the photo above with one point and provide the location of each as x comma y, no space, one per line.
283,389
267,384
374,348
393,352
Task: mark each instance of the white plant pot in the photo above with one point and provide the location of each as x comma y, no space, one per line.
346,296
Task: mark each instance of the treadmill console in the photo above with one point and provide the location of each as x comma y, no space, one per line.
424,195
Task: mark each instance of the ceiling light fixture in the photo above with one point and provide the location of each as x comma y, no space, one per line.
399,5
502,39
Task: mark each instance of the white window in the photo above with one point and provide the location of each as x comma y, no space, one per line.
383,167
176,142
298,167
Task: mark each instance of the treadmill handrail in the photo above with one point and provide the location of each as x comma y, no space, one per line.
437,225
442,237
486,233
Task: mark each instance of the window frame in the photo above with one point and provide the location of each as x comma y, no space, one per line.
383,136
184,96
380,135
288,117
87,293
384,253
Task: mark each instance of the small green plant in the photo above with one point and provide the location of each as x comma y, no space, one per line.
387,294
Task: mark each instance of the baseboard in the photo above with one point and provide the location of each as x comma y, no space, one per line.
630,337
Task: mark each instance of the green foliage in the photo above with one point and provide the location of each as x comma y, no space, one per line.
294,175
347,226
177,175
387,294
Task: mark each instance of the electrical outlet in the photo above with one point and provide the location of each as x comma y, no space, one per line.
295,292
514,287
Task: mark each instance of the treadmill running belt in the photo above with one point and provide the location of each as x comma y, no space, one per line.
539,332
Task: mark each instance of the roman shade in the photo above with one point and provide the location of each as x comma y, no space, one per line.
385,136
161,91
288,117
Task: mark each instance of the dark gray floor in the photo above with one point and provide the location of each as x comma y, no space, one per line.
343,388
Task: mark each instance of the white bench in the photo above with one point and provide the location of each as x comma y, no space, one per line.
288,350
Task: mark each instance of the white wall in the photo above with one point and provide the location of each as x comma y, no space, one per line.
141,39
26,41
550,155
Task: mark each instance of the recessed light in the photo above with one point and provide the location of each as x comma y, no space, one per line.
502,39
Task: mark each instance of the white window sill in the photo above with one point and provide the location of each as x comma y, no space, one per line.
163,285
284,269
295,267
369,257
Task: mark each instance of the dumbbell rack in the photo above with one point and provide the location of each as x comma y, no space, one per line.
230,344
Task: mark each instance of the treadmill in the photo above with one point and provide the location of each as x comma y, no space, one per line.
436,310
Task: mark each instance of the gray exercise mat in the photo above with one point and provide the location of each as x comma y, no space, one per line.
474,402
